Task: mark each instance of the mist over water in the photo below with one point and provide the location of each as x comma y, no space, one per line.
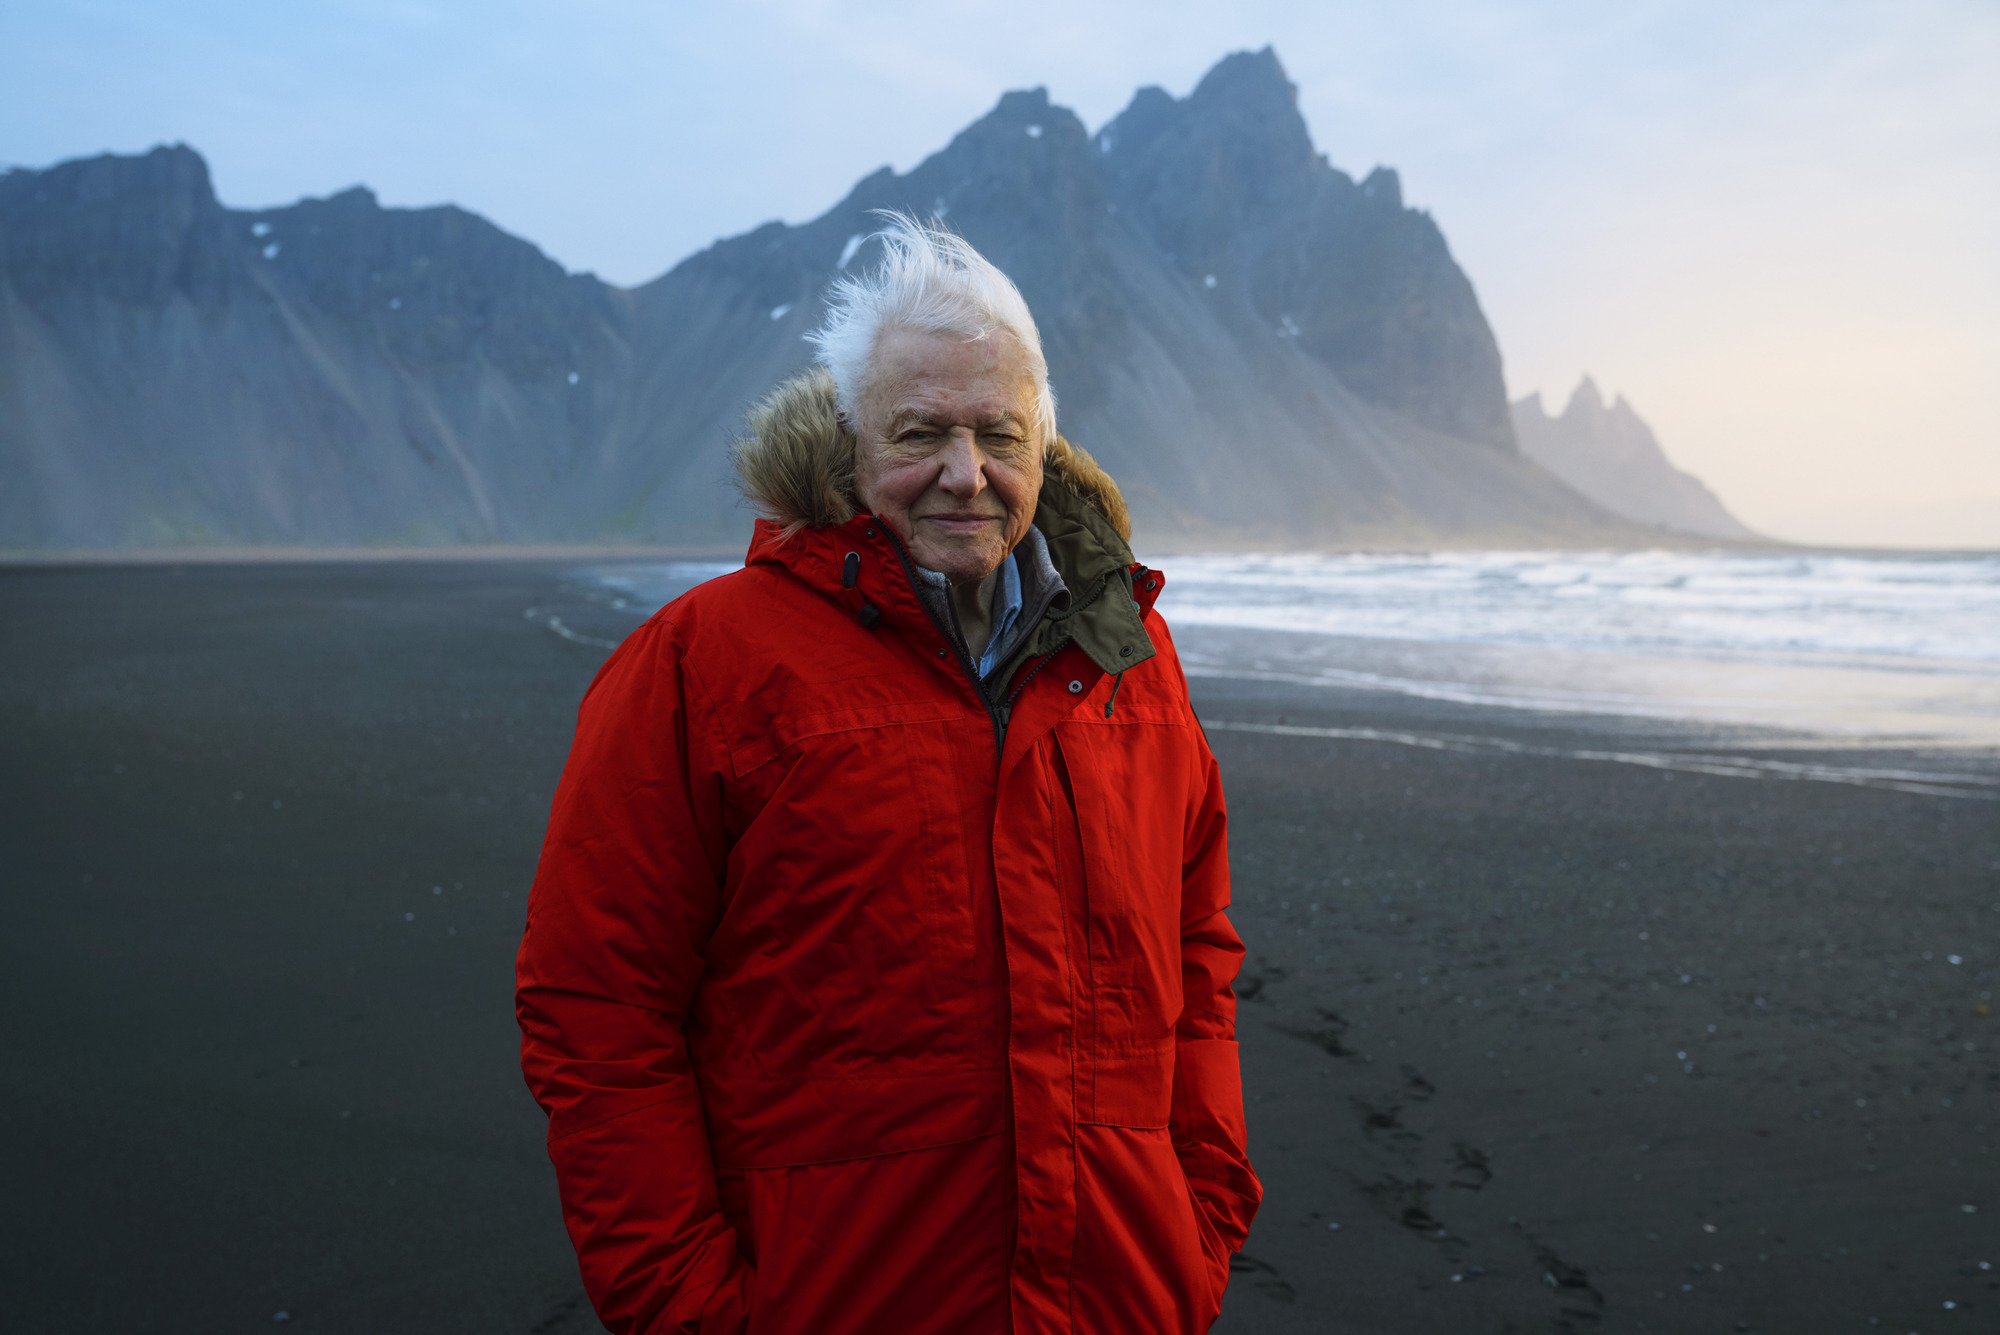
1859,650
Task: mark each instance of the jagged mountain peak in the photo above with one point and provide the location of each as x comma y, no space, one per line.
1587,404
165,170
1586,397
1610,454
1239,133
1247,89
1026,145
1026,142
1383,186
1023,122
1246,81
1018,102
1150,111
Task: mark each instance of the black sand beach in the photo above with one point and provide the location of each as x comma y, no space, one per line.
1558,1044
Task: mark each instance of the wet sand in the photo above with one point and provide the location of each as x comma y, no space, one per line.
269,829
1571,1045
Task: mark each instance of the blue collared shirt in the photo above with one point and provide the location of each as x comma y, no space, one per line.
1006,611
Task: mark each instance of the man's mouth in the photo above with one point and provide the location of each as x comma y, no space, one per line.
961,523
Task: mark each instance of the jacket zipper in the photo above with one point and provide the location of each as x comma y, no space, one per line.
965,664
1029,675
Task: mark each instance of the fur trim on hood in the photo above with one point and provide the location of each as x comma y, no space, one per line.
797,464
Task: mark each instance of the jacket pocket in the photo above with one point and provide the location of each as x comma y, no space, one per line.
1126,788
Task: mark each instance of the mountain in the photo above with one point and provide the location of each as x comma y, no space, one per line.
1227,182
1263,351
1611,456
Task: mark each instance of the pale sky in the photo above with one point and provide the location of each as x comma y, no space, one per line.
1774,225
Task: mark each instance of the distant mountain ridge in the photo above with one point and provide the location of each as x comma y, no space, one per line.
1263,351
1610,455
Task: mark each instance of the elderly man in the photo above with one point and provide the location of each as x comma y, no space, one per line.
876,976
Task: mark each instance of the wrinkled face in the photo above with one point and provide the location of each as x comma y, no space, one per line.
948,454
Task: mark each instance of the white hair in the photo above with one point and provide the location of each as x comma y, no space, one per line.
930,279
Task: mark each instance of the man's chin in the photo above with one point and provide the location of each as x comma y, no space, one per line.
960,565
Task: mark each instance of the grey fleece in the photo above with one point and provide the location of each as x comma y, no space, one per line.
1041,587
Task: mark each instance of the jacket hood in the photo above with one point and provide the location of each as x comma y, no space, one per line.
797,465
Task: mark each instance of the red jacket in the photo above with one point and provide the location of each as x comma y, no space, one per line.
852,1011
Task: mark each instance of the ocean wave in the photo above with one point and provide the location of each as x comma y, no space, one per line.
1738,607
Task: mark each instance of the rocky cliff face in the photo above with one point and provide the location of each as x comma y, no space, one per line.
1227,182
1610,455
1263,351
173,372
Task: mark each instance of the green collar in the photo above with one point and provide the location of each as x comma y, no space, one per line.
1096,566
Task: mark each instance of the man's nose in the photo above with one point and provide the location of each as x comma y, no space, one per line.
964,466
